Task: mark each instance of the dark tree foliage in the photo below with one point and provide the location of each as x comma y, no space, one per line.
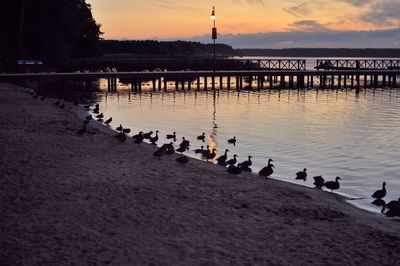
50,30
157,48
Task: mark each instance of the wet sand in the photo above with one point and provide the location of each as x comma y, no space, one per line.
92,200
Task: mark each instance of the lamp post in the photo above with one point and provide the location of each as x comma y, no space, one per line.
214,37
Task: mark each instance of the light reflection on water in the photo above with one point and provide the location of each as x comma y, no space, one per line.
329,132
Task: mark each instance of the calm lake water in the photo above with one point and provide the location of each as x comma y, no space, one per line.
329,132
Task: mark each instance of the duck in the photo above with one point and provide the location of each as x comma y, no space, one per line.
222,159
100,115
181,149
108,121
185,142
393,208
121,136
100,120
232,140
120,128
211,155
154,139
302,175
381,193
333,185
159,152
171,136
246,164
235,170
138,138
267,171
182,160
169,148
233,161
89,117
202,137
147,135
205,152
126,130
87,107
199,150
319,181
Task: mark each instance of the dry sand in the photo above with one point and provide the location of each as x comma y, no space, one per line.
91,200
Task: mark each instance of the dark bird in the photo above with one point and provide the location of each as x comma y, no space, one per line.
57,102
121,136
381,193
246,164
205,152
120,128
235,170
96,111
100,120
97,106
158,153
333,185
108,121
147,135
154,139
222,159
89,117
232,141
233,161
126,130
202,137
211,155
87,107
169,148
185,142
319,181
302,175
267,171
100,115
138,138
393,208
182,160
181,149
171,136
199,150
62,106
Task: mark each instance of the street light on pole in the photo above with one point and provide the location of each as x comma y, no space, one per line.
214,37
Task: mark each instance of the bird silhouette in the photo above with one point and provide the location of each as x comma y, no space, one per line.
232,140
222,159
235,170
333,185
108,121
126,130
302,175
199,150
381,193
154,139
100,115
202,137
147,135
246,164
171,136
393,208
233,161
138,138
120,128
319,181
267,171
89,117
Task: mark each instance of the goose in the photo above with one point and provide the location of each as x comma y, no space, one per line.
202,137
147,135
222,159
108,121
126,130
182,160
89,117
333,185
199,150
381,193
185,142
246,164
235,170
302,175
233,161
319,181
267,171
120,128
181,149
171,136
153,140
100,115
97,106
100,120
121,136
96,111
140,134
169,148
232,141
211,155
158,153
87,107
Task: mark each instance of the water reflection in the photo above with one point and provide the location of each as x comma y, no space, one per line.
331,132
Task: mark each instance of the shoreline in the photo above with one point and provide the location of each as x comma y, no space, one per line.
91,199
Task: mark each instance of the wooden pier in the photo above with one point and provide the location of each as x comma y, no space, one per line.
239,80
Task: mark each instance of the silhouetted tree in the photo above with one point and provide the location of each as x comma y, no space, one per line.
52,30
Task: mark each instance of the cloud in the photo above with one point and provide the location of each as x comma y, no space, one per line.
358,3
308,25
386,12
311,39
300,10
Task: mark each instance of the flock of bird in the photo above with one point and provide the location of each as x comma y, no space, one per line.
232,165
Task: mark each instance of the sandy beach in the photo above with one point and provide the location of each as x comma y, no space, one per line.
92,200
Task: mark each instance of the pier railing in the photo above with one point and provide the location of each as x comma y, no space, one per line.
358,64
275,64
